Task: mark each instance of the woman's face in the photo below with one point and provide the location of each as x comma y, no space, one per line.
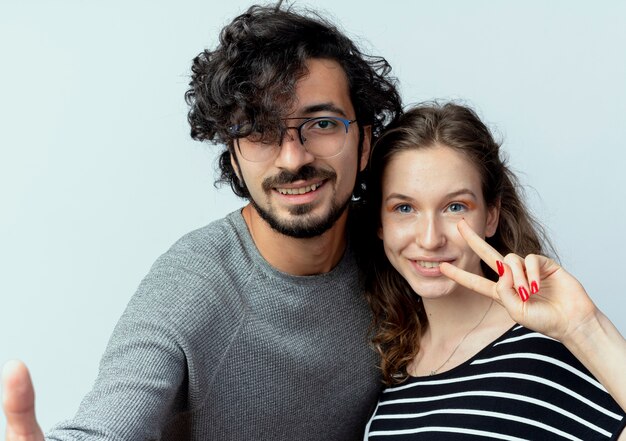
425,193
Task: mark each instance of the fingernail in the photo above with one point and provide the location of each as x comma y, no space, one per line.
523,293
500,266
534,288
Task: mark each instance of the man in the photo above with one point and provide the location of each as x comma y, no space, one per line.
253,327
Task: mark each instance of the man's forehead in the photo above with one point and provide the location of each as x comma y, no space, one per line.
323,87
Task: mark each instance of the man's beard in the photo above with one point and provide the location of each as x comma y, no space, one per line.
303,226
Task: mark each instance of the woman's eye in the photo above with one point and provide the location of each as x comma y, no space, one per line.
456,207
403,208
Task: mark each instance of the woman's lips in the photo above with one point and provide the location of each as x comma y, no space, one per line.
430,267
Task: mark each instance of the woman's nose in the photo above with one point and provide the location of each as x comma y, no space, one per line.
430,235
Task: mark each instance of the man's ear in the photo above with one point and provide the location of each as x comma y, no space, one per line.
366,147
493,219
235,163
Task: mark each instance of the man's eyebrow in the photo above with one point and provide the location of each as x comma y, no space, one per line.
322,107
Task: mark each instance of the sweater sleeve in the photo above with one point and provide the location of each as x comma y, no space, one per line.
148,374
138,385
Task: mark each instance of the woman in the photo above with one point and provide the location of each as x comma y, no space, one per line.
460,365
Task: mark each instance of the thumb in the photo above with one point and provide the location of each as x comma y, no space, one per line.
18,402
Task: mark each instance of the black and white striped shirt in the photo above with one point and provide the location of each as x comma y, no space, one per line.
523,386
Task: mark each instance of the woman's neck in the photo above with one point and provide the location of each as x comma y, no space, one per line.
454,314
460,325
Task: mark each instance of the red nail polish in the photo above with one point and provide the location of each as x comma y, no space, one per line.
500,266
523,293
534,288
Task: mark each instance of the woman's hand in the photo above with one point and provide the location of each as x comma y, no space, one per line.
540,295
537,292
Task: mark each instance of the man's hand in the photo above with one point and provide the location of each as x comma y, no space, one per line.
18,403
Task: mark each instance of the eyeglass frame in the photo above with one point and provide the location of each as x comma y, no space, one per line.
346,123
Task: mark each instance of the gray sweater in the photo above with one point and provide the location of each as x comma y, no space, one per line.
218,345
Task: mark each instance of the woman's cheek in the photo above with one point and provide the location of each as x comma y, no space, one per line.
398,231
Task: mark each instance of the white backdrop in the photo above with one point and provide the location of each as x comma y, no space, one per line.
98,175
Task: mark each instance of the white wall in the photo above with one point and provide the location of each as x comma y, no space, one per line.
98,175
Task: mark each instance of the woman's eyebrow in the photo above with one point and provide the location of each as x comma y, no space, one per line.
461,192
399,196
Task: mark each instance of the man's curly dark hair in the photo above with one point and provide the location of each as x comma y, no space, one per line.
251,77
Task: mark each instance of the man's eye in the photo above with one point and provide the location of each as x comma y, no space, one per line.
326,123
255,137
322,124
240,129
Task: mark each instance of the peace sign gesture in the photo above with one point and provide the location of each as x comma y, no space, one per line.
535,290
539,294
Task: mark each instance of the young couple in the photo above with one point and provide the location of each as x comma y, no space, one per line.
254,327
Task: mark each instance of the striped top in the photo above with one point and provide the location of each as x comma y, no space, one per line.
523,386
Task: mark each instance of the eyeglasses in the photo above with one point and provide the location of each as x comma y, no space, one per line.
322,136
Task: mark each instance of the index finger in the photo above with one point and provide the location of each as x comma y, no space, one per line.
486,252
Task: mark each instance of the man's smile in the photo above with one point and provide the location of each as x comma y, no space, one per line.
299,190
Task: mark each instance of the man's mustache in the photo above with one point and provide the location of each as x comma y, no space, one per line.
304,173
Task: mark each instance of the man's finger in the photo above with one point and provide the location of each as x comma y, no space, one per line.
471,281
486,252
18,402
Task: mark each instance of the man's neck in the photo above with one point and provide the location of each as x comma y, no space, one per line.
299,257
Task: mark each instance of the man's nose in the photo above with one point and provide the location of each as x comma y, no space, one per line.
292,155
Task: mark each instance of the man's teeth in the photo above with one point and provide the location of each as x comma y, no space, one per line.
300,190
426,264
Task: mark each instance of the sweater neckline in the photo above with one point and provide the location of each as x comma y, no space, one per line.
345,266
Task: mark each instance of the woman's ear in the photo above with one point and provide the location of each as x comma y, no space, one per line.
493,218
